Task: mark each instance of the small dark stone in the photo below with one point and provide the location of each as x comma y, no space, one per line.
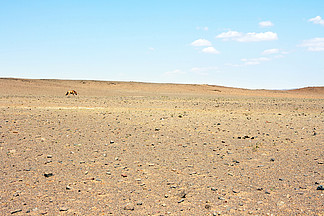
281,179
64,209
129,206
180,201
320,187
48,174
183,194
272,159
207,206
15,211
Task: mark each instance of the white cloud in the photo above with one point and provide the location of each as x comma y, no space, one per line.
229,35
174,72
315,44
265,24
201,42
270,51
151,48
254,61
248,37
280,53
211,50
317,20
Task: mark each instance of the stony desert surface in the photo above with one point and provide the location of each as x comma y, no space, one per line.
127,148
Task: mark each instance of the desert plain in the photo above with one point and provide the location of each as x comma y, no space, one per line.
129,148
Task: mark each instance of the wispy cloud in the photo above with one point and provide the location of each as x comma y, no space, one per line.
201,42
265,24
211,50
254,61
274,51
270,51
248,37
314,44
317,20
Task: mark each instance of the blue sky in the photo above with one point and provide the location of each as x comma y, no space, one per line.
250,44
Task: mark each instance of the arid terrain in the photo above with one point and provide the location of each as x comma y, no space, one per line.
127,148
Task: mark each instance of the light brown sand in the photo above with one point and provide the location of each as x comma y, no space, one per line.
159,149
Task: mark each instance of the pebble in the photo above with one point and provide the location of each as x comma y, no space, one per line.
129,206
272,159
213,189
68,187
180,201
320,187
49,156
235,191
16,211
48,174
182,194
64,209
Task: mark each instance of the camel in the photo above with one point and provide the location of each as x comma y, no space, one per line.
72,92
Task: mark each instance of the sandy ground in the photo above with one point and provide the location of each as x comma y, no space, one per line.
121,148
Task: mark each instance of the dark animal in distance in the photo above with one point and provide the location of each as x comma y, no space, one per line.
72,92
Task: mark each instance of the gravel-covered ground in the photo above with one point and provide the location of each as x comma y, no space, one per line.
159,149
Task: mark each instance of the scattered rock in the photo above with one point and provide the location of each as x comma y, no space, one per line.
182,194
64,209
129,207
16,211
320,187
48,174
180,201
235,191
